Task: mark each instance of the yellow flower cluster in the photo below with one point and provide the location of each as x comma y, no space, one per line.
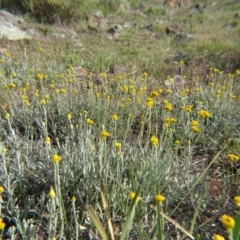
204,114
114,117
154,140
194,126
167,105
2,224
218,237
1,189
89,121
233,157
105,134
51,193
149,102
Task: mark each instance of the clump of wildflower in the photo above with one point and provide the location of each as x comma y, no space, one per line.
170,121
89,121
105,134
159,198
154,140
1,189
218,237
51,193
237,201
2,224
149,102
204,114
56,158
233,157
227,222
132,196
194,123
114,117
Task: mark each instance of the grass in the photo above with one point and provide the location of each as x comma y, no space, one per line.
63,177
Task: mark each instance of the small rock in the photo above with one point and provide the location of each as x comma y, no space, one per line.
174,30
237,15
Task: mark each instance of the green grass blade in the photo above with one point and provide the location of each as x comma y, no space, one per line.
236,230
97,222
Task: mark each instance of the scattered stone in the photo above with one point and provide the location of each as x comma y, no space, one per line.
177,3
175,57
11,27
237,15
196,8
96,20
174,30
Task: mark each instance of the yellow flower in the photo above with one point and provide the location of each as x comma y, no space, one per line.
195,129
51,193
189,108
1,189
149,102
69,116
168,107
117,145
204,114
154,94
132,196
89,121
228,222
154,140
56,158
47,140
237,201
2,224
73,198
176,142
218,237
105,134
114,117
43,102
7,116
159,198
194,123
233,157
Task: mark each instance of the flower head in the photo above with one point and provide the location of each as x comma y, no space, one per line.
2,224
89,121
117,145
1,189
132,196
73,198
7,116
218,237
47,140
114,117
56,158
51,193
69,116
237,201
228,222
159,198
